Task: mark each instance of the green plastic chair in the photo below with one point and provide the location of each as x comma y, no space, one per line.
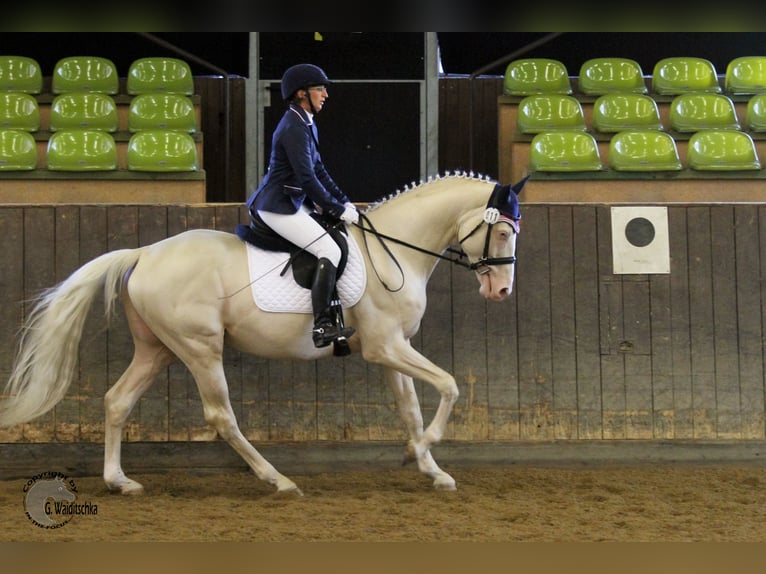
692,112
85,74
18,151
618,112
83,110
722,150
600,76
564,151
168,75
643,150
19,110
20,74
162,111
536,76
162,150
746,75
81,150
682,74
755,113
546,112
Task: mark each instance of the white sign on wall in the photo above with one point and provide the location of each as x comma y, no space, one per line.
640,240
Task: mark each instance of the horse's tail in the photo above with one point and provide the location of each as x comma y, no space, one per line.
47,354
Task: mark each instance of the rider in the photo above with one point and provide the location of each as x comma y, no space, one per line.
297,183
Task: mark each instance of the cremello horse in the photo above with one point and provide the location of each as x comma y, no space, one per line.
184,300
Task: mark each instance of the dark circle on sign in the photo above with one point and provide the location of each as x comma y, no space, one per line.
639,231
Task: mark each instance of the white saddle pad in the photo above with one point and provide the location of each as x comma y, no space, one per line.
281,294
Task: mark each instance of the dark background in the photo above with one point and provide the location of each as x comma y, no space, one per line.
377,55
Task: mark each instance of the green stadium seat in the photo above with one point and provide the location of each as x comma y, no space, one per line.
699,111
564,151
18,151
162,111
19,110
618,112
755,113
746,75
81,150
166,75
678,75
162,150
83,110
600,76
547,112
20,74
85,74
643,150
536,76
722,150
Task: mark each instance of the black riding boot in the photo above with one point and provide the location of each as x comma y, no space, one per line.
322,289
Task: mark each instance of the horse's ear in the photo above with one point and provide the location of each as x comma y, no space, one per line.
519,185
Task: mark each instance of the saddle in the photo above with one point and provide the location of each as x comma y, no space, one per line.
302,262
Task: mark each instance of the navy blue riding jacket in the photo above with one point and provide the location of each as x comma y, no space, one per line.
296,173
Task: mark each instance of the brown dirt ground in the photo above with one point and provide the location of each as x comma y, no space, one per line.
636,503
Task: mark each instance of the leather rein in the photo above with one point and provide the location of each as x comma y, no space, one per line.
481,265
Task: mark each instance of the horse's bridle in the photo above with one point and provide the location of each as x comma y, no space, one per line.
491,217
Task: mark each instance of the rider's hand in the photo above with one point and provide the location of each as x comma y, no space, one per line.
350,214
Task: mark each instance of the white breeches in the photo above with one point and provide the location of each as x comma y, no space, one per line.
302,230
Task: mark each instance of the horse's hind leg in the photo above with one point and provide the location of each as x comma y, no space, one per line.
409,410
211,382
149,358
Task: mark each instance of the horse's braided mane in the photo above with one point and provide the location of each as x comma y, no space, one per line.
413,186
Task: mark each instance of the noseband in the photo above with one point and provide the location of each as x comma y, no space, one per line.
491,216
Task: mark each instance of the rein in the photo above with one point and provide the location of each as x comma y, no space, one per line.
491,216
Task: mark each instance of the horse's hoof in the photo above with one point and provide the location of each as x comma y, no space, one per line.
290,491
445,483
128,488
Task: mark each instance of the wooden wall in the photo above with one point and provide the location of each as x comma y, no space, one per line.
576,353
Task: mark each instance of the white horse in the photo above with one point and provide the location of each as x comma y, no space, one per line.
185,297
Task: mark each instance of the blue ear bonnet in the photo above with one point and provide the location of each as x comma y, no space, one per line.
505,199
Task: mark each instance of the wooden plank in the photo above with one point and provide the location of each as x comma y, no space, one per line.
93,348
329,391
356,424
701,325
680,325
66,261
563,329
503,365
612,334
725,322
535,377
749,322
587,287
469,316
637,359
12,308
660,373
39,258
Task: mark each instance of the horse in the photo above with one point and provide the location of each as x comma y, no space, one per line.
185,297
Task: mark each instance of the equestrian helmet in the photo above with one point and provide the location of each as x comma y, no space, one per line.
300,77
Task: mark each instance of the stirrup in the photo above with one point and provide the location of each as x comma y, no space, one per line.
325,334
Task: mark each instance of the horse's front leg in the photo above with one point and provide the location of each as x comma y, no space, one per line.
409,410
